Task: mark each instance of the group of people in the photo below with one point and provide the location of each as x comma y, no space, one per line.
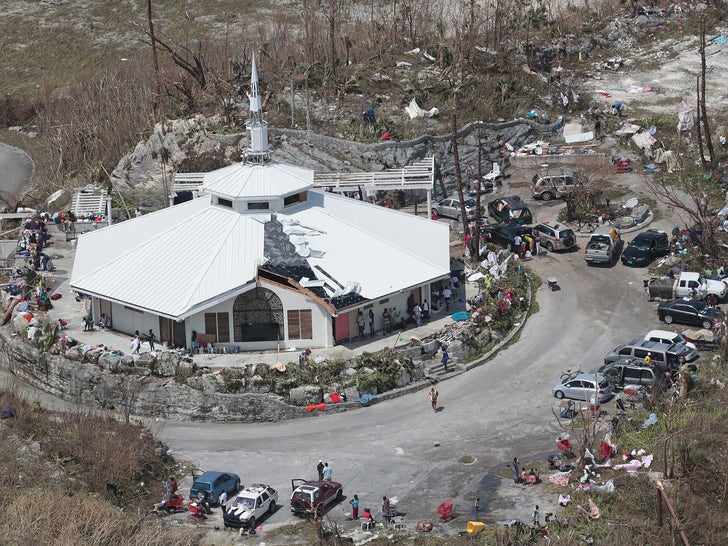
388,510
523,477
33,239
136,341
325,472
528,245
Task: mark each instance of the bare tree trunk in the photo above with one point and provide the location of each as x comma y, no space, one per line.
700,129
456,159
332,34
703,113
155,60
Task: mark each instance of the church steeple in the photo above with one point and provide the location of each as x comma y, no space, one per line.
256,126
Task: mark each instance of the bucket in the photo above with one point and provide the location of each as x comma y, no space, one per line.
476,526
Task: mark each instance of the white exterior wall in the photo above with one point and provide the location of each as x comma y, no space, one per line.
322,329
127,320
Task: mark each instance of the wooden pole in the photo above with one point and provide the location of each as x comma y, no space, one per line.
675,521
659,507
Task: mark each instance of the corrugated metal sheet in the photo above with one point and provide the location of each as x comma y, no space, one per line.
242,180
181,259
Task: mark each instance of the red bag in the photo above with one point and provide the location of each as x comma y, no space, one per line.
56,296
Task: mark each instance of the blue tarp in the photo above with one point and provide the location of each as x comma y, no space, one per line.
367,399
462,315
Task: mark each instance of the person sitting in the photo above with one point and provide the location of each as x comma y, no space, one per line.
367,519
105,322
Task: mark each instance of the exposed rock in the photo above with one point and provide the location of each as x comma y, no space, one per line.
305,396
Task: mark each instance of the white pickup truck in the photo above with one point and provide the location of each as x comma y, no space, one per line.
686,285
603,246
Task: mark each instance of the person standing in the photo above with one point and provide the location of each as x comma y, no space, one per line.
537,241
328,471
417,313
517,240
385,321
598,128
354,507
151,338
445,357
360,323
385,509
172,487
433,398
371,322
320,470
515,469
536,517
447,295
135,344
426,311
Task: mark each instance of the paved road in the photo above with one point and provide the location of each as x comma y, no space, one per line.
493,412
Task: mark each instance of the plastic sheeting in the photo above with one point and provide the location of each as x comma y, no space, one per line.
415,111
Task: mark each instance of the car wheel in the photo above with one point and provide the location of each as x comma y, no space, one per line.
707,324
201,495
711,299
546,196
339,495
251,523
237,486
569,241
559,395
668,319
272,507
550,246
457,219
320,510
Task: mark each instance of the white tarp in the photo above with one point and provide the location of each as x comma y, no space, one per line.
685,117
573,132
415,111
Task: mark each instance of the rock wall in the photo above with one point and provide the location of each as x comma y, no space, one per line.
183,140
116,383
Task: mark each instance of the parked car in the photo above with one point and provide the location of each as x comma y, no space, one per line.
646,247
691,312
450,208
664,355
485,187
554,183
505,234
627,371
666,336
314,496
211,484
510,210
250,505
555,236
584,386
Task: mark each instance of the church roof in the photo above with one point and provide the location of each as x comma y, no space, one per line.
180,260
251,181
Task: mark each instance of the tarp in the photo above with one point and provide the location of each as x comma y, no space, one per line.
415,111
643,140
627,129
685,117
573,132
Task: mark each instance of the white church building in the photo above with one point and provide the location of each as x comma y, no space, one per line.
260,259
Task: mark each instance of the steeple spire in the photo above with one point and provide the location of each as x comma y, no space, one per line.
256,126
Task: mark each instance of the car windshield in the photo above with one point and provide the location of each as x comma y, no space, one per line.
640,245
470,202
201,486
245,502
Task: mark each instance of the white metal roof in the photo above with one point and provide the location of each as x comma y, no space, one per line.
245,181
180,260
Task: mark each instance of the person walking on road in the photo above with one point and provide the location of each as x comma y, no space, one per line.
445,358
433,398
328,471
320,470
447,295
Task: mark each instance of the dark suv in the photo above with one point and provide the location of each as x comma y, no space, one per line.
510,210
646,247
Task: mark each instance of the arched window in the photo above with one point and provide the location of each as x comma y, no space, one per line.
258,316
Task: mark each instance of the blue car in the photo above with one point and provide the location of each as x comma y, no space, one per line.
210,485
